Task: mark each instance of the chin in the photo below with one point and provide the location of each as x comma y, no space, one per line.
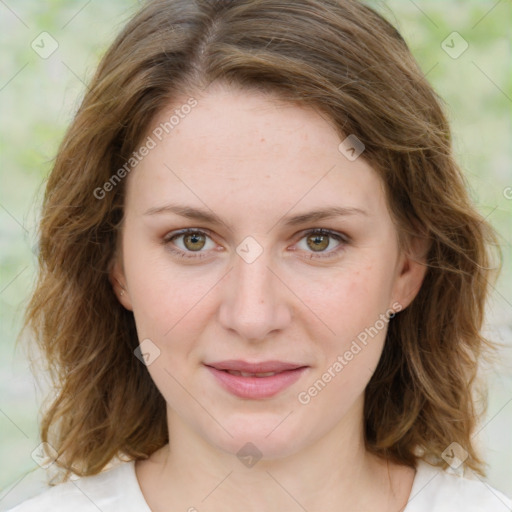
268,437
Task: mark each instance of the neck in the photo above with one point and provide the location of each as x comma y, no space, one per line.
192,474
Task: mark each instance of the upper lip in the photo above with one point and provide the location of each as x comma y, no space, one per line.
261,367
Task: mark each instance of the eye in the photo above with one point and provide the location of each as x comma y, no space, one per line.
189,243
318,240
192,241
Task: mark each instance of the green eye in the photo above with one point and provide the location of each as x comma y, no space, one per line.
318,240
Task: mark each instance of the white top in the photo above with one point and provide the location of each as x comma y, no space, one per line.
117,489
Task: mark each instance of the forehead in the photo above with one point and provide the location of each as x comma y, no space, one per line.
249,150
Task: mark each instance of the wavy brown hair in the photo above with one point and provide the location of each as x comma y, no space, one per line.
350,64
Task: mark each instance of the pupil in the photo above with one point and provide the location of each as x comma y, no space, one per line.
319,242
195,238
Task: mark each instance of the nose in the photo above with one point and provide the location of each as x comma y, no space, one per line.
255,302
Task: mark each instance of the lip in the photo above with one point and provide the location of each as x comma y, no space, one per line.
256,387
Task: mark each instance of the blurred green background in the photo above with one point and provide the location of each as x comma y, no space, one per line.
38,97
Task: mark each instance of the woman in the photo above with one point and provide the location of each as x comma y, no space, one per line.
261,278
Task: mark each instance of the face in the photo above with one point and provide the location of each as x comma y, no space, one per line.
263,320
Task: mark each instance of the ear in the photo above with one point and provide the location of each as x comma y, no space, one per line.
118,281
410,271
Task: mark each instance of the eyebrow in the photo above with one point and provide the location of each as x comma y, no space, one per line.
203,215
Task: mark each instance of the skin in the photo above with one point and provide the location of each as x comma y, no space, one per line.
253,161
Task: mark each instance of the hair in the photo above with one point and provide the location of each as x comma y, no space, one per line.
349,63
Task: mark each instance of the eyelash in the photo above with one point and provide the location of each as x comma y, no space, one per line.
344,239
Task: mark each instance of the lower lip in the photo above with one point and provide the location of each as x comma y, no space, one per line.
257,387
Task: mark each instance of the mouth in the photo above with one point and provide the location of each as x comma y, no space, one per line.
246,374
255,380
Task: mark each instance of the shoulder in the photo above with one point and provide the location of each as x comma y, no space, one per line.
442,491
57,498
111,490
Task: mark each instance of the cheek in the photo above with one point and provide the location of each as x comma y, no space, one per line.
164,300
353,305
352,300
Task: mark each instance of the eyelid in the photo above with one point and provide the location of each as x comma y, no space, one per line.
186,231
344,237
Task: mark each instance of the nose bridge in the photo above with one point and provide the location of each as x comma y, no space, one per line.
253,305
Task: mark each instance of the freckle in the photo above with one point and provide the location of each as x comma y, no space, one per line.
262,140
